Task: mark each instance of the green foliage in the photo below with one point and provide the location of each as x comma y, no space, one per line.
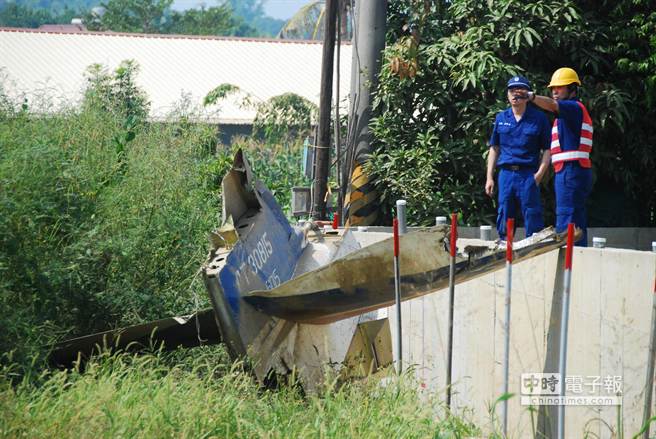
306,24
280,119
216,20
199,394
17,15
444,76
220,93
156,16
53,6
132,16
6,105
277,165
284,117
119,95
95,236
243,18
116,92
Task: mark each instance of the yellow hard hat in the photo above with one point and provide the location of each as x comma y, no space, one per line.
564,76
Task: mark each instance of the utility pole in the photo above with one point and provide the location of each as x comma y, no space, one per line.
322,163
359,195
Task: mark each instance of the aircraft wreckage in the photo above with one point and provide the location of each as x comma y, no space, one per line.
298,297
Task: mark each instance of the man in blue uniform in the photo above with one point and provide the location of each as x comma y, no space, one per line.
571,144
519,146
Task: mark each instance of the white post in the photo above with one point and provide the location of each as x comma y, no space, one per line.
401,215
452,276
562,359
510,229
398,355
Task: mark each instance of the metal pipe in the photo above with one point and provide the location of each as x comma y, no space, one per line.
337,125
452,276
649,385
401,215
322,154
485,233
562,358
510,229
397,297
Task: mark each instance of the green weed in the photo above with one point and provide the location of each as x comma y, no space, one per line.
198,393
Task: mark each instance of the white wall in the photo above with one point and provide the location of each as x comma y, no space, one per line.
610,312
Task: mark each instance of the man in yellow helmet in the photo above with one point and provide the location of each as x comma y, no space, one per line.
571,145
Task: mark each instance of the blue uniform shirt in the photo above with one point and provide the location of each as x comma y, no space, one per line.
570,117
520,142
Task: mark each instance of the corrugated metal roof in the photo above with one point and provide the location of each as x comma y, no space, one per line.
35,63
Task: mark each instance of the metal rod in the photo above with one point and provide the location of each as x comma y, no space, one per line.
562,358
649,385
398,354
452,275
510,229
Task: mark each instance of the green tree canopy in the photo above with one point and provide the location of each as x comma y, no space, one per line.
443,79
133,16
218,20
16,15
156,16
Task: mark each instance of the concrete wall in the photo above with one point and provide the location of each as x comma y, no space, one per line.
610,312
635,238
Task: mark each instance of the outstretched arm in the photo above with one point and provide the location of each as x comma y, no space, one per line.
544,102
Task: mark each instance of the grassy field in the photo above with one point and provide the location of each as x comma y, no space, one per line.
199,393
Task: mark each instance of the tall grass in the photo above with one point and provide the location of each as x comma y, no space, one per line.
197,395
104,223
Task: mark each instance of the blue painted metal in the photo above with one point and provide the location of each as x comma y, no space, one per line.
265,257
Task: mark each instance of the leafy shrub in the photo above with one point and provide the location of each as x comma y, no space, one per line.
93,237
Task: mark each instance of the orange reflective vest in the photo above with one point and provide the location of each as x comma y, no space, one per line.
559,157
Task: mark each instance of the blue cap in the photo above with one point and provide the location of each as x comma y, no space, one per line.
519,82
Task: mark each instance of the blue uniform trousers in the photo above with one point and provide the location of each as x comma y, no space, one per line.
519,187
572,185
